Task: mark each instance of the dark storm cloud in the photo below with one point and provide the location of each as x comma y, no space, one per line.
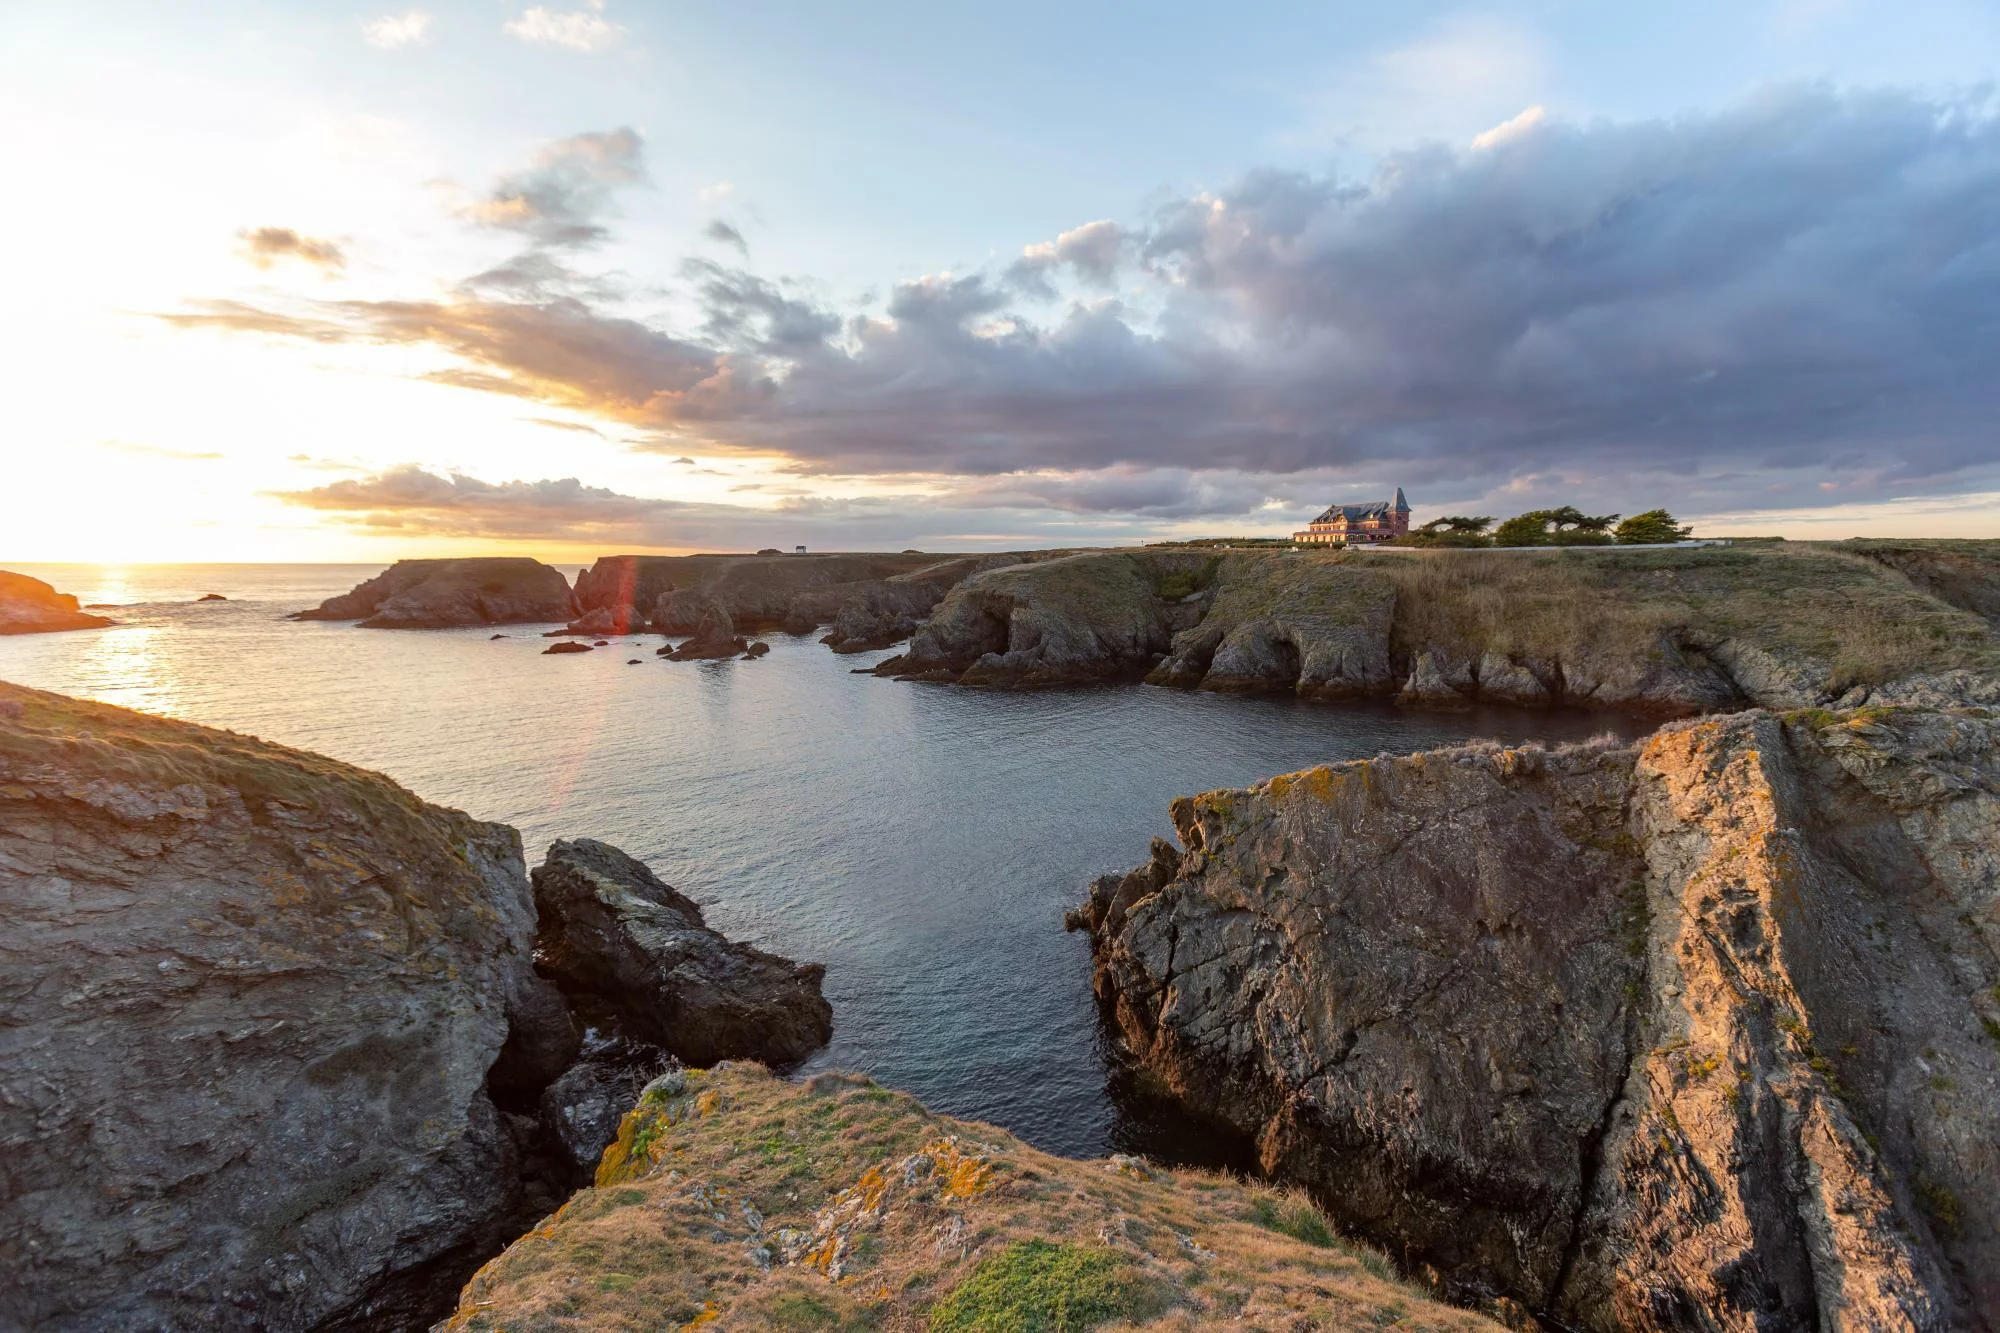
558,201
265,246
1791,302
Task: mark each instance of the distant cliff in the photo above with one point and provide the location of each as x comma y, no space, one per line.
1665,632
440,594
732,1200
1698,1034
871,599
276,1055
30,606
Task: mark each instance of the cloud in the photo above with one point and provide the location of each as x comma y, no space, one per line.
1784,303
721,232
392,32
557,200
414,501
577,426
265,246
583,29
1512,128
1092,252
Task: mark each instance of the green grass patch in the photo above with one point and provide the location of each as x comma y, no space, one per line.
1037,1286
1295,1218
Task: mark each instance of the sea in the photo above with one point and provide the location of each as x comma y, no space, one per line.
921,841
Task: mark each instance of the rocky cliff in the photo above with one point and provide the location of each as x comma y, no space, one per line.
440,594
30,606
734,1201
1695,1034
872,600
1664,632
1960,573
276,1054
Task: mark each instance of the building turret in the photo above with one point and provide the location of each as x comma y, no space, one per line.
1400,505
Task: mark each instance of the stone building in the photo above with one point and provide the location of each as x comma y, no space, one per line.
1353,525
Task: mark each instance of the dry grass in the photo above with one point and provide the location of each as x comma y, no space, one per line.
1863,622
738,1201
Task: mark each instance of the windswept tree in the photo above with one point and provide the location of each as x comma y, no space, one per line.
1567,526
1652,527
1453,530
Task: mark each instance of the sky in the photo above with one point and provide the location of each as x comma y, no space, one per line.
339,281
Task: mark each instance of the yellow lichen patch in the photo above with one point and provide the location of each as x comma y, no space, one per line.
837,1204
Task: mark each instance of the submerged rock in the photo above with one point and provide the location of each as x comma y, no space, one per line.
610,929
30,606
249,998
566,646
438,594
1692,1034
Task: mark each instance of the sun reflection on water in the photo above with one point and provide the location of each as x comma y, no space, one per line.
123,666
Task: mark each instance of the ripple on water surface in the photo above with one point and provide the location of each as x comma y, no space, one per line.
923,842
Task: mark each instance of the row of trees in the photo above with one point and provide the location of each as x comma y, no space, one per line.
1567,526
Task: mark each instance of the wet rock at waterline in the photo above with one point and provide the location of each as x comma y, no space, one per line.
566,646
1692,1034
610,929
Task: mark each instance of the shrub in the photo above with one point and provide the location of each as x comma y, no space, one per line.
1652,527
1453,530
1036,1286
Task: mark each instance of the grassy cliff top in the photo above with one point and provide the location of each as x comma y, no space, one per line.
735,1200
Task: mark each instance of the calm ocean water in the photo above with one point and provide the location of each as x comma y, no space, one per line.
922,842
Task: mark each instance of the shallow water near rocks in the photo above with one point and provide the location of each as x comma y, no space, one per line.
921,841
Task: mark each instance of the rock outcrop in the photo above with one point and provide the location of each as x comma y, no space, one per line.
441,594
733,1200
704,619
1695,1034
611,930
277,1055
249,998
30,606
1661,632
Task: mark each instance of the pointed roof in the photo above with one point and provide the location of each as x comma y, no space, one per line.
1400,505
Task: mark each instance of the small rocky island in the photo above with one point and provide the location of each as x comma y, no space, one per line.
444,594
30,606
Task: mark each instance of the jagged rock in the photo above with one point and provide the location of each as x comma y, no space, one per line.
610,929
704,619
1504,680
30,606
566,646
437,594
583,1107
542,1039
1438,684
1687,1035
249,998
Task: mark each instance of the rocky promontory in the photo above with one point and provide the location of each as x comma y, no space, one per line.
1696,1034
277,1054
732,1200
30,606
1669,633
442,594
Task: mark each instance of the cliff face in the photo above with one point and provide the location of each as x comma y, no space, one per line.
276,1055
30,606
877,597
1964,574
1670,632
732,1200
250,1000
1700,1034
439,594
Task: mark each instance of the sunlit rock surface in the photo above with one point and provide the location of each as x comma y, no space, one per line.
30,606
1701,1033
